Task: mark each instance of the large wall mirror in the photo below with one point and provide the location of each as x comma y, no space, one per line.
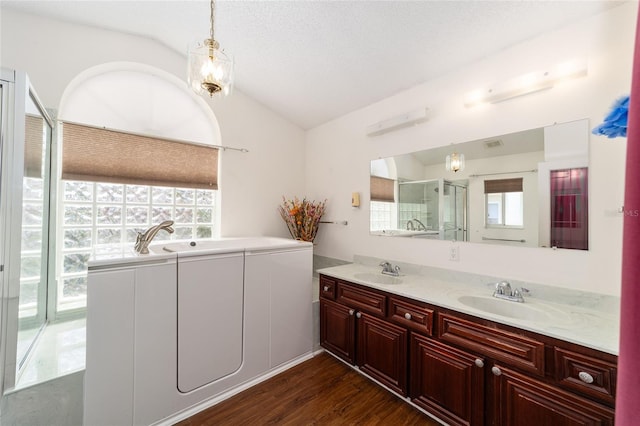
528,188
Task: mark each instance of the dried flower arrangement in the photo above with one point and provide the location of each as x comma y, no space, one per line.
302,217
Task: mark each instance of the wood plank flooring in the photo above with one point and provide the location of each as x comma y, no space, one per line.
320,391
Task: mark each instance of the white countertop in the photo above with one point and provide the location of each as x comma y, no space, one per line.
587,319
124,254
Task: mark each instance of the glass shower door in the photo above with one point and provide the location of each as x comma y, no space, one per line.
34,242
454,212
26,133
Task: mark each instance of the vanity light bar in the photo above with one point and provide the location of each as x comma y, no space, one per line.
410,118
527,83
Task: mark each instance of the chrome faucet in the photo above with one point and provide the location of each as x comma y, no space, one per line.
504,291
389,269
410,225
420,224
144,238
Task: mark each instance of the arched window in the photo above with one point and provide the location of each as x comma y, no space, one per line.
128,132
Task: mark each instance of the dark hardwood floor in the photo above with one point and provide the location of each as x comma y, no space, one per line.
320,391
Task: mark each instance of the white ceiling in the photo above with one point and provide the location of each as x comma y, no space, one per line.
312,61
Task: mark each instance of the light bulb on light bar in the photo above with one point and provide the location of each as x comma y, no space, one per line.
527,83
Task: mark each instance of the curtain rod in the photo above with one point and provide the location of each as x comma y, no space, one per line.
222,147
504,173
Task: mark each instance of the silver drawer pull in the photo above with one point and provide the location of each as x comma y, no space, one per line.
326,288
351,311
496,371
358,315
407,316
585,377
480,363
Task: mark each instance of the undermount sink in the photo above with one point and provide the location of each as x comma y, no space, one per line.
378,278
506,308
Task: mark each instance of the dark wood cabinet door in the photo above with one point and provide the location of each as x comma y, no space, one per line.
447,382
523,401
337,330
382,351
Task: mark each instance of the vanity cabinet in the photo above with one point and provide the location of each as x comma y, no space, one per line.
446,381
337,330
524,401
382,351
462,369
353,328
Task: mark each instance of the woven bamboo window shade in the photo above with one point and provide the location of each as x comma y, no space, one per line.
33,144
382,189
502,185
101,155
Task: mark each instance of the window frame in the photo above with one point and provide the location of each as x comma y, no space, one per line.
56,241
503,207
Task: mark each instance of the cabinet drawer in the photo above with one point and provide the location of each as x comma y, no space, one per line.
327,287
525,401
359,298
516,350
586,375
411,315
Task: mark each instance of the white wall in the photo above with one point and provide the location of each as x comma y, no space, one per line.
338,153
53,53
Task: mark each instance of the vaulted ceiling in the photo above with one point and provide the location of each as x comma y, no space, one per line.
312,61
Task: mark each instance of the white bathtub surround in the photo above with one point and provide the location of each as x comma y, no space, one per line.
588,319
133,353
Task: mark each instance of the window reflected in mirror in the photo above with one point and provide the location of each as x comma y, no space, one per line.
504,203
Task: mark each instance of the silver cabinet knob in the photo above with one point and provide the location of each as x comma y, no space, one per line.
351,311
407,316
585,377
326,288
480,363
496,371
358,315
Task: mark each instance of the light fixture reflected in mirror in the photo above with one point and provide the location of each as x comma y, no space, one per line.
454,162
210,70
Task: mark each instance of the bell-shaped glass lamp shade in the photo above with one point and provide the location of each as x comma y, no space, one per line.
210,70
454,162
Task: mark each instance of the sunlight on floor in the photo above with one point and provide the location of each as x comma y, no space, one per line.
60,350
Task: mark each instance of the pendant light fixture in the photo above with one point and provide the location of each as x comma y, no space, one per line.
210,70
454,162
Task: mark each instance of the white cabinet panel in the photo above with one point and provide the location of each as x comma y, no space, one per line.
108,380
291,313
210,325
287,276
155,344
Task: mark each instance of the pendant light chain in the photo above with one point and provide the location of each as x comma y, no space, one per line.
213,6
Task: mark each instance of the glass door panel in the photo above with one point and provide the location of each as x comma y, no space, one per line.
454,212
34,230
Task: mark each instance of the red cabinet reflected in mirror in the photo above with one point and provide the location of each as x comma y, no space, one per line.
569,209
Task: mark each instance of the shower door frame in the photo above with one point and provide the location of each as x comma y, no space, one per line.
16,89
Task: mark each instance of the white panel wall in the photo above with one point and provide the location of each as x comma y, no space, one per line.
53,53
338,153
